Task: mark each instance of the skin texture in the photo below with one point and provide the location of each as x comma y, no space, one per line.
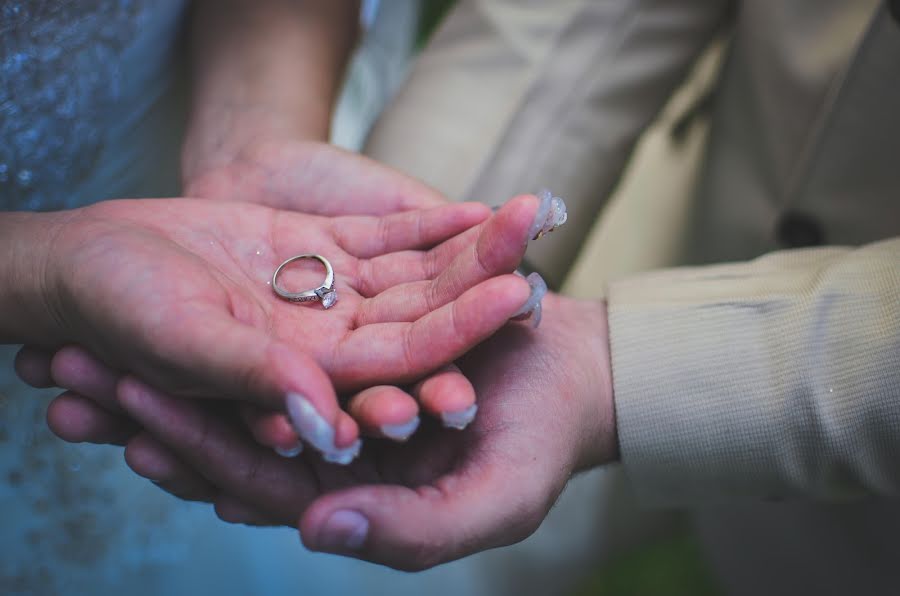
175,292
312,177
276,174
265,75
545,412
263,70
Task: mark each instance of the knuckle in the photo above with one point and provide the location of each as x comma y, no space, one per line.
482,260
198,442
422,231
250,473
526,517
431,264
363,282
432,297
250,375
223,514
409,351
383,233
482,254
456,320
424,556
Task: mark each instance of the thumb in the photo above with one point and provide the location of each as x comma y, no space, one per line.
417,528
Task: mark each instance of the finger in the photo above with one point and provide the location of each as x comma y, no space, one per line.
497,246
234,511
244,363
315,182
225,456
386,412
147,457
448,395
74,368
77,419
33,367
366,236
272,429
490,504
404,352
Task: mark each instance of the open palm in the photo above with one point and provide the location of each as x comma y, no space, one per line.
177,292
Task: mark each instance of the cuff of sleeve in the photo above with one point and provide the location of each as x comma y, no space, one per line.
703,366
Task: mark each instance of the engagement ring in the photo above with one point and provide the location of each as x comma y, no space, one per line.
326,292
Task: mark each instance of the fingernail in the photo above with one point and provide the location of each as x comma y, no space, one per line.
400,432
551,214
313,429
343,456
345,531
532,310
290,451
459,420
536,315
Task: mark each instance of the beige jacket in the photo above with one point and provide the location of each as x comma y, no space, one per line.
771,377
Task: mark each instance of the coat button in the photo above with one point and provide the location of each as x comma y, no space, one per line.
797,230
894,7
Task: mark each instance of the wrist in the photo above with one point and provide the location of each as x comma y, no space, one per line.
263,71
600,439
30,306
224,135
203,155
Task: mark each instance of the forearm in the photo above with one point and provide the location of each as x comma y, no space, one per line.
28,313
261,70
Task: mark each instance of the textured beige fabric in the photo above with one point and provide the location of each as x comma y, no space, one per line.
766,378
804,344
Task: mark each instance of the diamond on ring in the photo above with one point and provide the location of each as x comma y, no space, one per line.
328,297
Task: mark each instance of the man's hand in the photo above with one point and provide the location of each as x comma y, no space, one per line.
545,412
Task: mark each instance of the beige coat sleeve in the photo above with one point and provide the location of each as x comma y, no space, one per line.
771,378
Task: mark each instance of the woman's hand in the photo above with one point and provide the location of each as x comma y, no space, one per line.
176,292
315,178
312,177
546,412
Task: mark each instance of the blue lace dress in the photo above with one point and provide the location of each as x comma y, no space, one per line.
91,108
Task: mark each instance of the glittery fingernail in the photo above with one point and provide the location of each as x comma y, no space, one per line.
344,531
343,456
290,452
551,214
313,429
400,432
459,420
532,309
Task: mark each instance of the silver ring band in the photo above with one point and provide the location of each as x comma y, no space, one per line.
325,292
